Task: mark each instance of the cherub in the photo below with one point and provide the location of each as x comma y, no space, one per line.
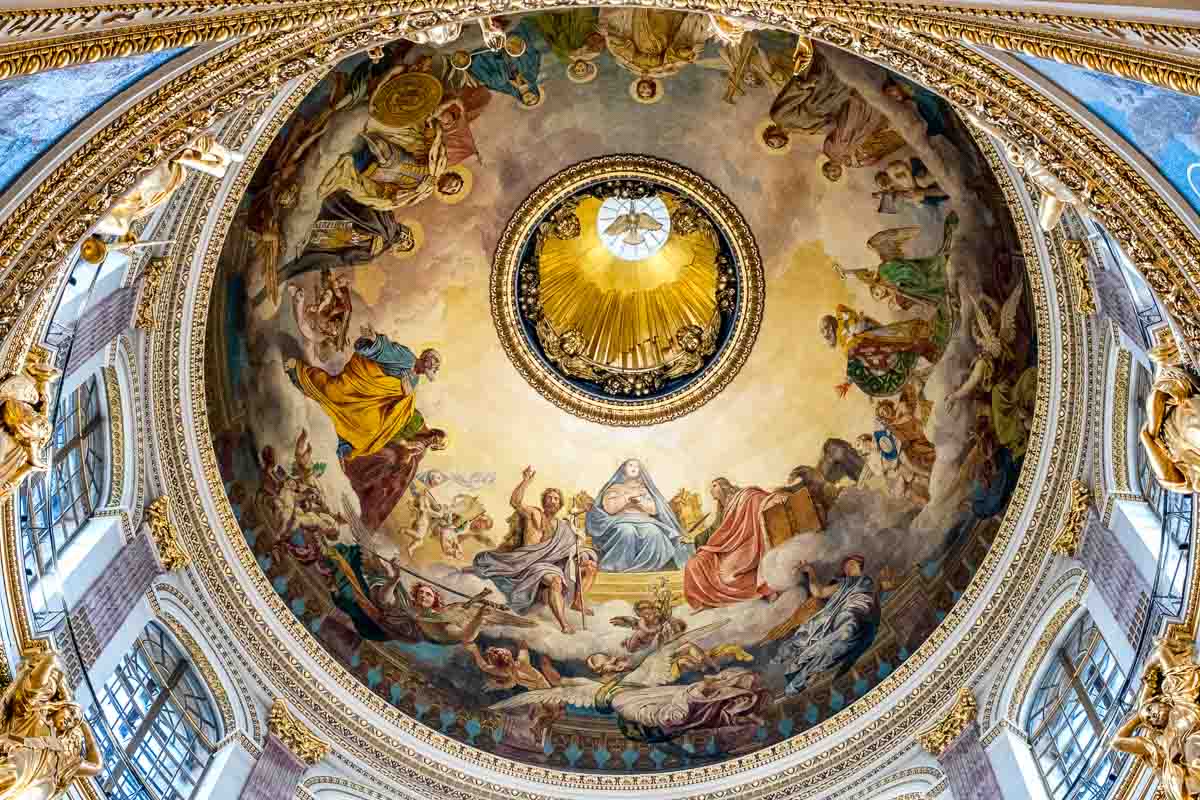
452,532
505,671
691,657
605,665
994,330
428,510
908,181
653,624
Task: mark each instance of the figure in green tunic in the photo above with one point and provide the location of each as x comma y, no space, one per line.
902,281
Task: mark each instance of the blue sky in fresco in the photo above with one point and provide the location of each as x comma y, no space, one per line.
37,110
1164,125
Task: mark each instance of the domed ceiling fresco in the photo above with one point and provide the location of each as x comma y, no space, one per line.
620,390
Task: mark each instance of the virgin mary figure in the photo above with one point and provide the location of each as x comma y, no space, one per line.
632,525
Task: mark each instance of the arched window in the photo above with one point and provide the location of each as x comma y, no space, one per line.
157,710
1072,705
54,505
1152,493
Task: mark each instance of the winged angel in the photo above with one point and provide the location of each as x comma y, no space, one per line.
384,610
902,280
650,706
994,330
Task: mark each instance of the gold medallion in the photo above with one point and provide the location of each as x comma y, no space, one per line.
406,99
627,290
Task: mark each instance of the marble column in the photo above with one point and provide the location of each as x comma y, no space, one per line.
954,742
290,749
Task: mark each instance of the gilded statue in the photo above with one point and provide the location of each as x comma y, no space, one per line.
24,418
1168,716
1057,197
202,154
45,745
1171,435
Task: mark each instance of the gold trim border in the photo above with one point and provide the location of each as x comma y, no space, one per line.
717,207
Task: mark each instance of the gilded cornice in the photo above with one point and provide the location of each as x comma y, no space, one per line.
1138,50
951,726
294,735
1079,504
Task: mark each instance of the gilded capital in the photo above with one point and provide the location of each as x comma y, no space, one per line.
961,715
1077,261
162,533
24,419
1071,533
294,735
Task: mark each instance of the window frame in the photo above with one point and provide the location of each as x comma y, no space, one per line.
155,718
55,506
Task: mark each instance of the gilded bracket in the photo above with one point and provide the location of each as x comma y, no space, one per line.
294,735
1071,533
162,533
964,711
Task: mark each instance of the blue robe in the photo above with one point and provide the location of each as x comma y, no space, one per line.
498,71
634,542
835,637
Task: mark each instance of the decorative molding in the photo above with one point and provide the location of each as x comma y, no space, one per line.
163,534
1078,257
1120,421
201,662
116,436
1040,650
950,727
1110,504
294,735
1079,504
152,277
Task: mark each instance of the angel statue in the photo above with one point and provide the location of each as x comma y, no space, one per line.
202,154
650,707
566,350
1056,195
695,344
1169,716
905,281
45,745
1171,435
995,331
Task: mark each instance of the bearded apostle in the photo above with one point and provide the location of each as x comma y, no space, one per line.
726,567
653,44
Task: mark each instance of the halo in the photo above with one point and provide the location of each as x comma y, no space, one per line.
589,76
418,235
659,90
760,129
541,92
468,179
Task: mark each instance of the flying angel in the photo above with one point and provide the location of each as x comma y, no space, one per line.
901,279
994,329
650,706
